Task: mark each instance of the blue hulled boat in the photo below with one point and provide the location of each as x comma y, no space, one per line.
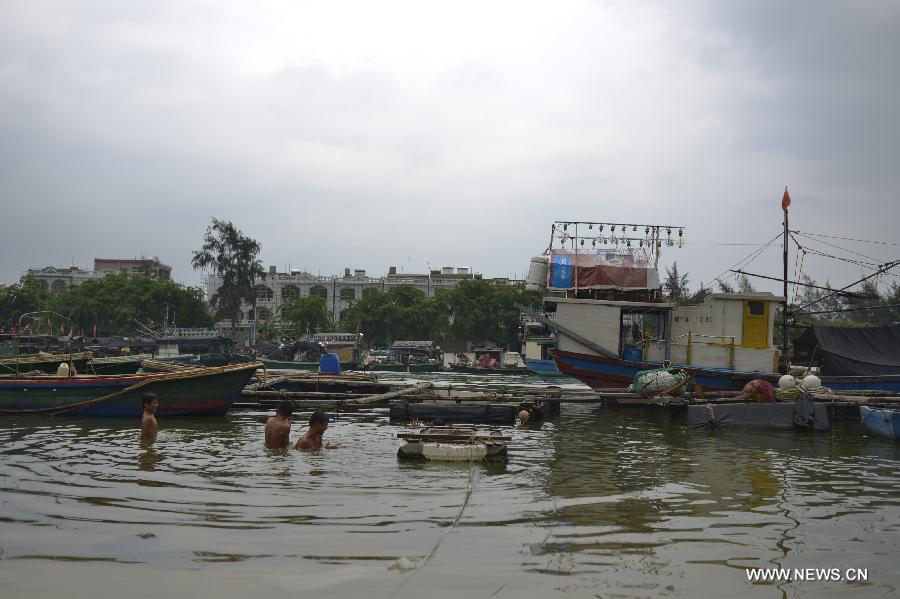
881,421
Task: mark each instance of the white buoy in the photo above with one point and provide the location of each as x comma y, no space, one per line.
787,382
812,382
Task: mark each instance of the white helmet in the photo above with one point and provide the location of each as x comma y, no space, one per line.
812,382
787,382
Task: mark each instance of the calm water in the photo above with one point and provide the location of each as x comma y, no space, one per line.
602,502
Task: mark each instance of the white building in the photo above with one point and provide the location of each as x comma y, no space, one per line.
274,289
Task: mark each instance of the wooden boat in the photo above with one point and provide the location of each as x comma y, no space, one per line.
290,365
601,372
192,392
453,444
882,421
43,362
115,364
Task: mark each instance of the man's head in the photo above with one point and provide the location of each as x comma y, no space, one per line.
318,422
150,402
285,408
524,415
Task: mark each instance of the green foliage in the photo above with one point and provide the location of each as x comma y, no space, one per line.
480,311
307,315
28,295
234,257
404,312
114,302
676,285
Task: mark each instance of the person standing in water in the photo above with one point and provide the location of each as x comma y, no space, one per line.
278,427
312,440
149,426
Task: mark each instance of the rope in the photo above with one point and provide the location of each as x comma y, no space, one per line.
469,488
800,389
82,404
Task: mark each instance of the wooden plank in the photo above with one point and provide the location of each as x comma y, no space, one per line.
391,395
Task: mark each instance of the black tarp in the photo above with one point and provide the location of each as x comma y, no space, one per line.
863,351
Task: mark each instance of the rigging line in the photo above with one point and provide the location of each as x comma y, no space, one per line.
796,259
838,247
885,267
847,238
752,256
885,307
847,260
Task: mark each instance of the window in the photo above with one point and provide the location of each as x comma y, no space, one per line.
57,286
262,293
756,308
263,313
318,291
348,294
370,291
289,293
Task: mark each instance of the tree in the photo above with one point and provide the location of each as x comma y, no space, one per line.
744,284
28,295
232,256
676,285
114,302
307,315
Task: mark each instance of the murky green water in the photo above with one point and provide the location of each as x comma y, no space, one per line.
602,502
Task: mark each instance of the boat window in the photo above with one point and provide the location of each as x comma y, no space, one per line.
756,308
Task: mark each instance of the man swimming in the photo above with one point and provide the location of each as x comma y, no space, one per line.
278,427
312,440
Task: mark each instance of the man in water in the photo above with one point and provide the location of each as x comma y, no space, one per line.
149,426
278,427
312,440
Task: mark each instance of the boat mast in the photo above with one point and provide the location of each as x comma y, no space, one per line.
785,202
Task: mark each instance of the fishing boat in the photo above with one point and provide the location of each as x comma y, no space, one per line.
490,360
453,444
611,320
128,364
190,392
881,421
44,362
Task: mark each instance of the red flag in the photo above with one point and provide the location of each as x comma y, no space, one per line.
95,331
786,199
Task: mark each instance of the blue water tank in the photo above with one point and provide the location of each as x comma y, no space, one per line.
329,364
632,353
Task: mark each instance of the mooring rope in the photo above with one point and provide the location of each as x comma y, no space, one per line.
470,486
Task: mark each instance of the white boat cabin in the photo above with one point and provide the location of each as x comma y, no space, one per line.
727,330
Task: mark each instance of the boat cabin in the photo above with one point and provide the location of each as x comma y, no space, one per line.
726,330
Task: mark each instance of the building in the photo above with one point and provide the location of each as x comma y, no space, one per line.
56,279
274,289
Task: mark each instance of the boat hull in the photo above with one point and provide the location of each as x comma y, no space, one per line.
311,366
197,392
600,372
882,422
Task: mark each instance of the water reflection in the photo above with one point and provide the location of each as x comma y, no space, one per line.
600,502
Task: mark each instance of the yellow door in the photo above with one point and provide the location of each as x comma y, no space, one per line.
756,324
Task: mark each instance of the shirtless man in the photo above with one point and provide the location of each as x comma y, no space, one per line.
278,427
149,426
312,440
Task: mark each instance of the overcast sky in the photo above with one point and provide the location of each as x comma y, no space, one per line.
370,134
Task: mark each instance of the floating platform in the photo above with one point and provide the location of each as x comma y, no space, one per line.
453,444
